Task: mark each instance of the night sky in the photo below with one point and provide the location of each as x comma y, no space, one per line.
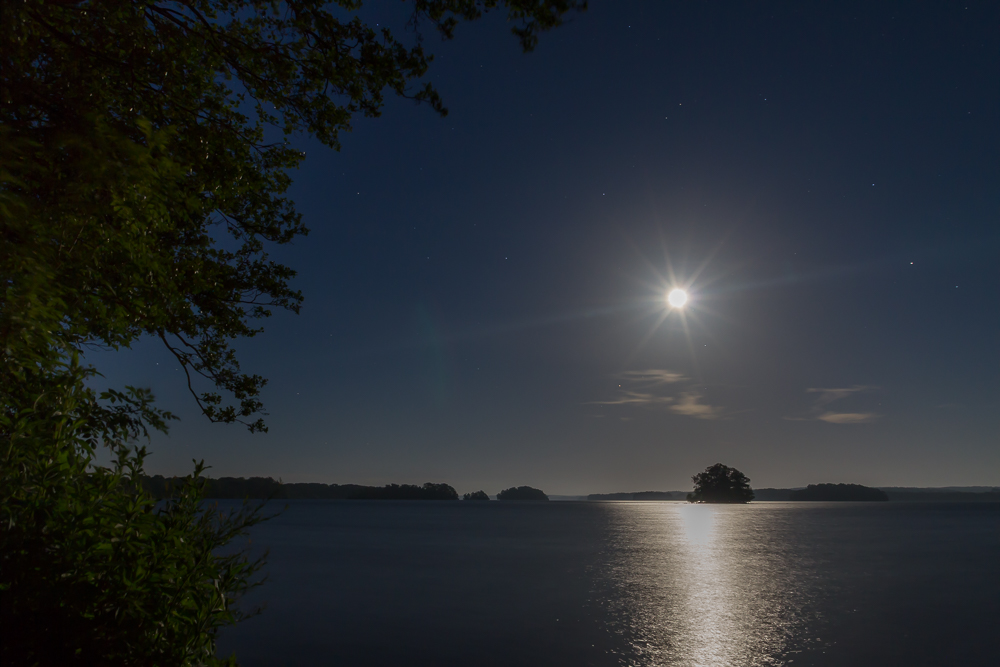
486,293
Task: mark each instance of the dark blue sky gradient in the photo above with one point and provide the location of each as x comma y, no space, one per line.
478,287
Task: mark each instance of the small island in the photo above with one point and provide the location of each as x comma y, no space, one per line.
522,493
839,492
720,484
478,495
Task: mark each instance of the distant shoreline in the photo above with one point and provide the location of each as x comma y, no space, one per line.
895,494
238,488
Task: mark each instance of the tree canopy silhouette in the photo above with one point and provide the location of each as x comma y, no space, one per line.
478,495
148,119
139,196
721,484
522,493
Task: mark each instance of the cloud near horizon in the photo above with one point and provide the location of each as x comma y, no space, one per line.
648,388
828,395
847,417
652,377
689,405
636,398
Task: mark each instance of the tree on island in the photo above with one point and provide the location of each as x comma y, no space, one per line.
478,495
145,157
522,493
721,484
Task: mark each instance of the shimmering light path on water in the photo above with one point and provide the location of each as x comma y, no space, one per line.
638,583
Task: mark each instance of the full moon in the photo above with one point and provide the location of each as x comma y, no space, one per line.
677,298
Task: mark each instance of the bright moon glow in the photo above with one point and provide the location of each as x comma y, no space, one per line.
677,298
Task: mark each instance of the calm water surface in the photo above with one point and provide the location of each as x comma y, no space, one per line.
626,583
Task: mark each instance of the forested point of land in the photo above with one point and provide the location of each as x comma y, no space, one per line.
839,492
239,488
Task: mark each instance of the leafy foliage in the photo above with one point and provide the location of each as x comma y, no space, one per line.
478,495
721,484
135,114
148,118
140,195
91,570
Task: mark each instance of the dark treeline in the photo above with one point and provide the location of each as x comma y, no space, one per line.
265,487
895,494
238,488
839,492
899,495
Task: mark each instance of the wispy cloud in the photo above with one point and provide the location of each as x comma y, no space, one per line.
827,395
847,417
636,398
658,388
651,377
689,405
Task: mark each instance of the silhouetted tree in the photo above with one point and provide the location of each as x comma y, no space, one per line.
478,495
721,484
522,493
145,156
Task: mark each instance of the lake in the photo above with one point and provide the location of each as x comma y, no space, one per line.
626,583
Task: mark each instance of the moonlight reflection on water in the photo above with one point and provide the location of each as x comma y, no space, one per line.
615,584
706,585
